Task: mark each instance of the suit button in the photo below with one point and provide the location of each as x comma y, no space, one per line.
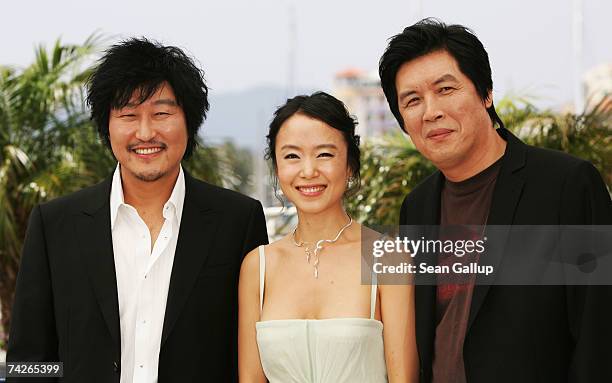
116,366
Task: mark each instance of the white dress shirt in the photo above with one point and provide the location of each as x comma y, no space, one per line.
143,278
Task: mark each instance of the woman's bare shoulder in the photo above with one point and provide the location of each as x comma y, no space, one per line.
278,248
250,263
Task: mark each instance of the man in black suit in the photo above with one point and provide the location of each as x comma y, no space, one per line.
135,279
437,81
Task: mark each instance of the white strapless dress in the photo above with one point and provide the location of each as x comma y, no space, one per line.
338,350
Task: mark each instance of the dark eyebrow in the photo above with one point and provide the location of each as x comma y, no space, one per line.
163,101
322,146
446,77
326,146
290,147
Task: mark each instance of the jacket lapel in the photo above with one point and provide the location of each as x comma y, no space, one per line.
506,195
94,236
431,216
425,287
196,234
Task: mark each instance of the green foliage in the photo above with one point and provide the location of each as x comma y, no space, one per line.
225,165
587,135
237,164
41,116
40,111
390,168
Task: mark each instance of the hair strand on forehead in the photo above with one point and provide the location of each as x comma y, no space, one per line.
325,108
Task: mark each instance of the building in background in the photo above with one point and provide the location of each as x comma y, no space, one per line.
597,85
361,93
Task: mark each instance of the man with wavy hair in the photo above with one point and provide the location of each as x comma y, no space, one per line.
135,279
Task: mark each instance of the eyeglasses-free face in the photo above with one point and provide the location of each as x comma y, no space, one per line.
311,159
149,139
442,112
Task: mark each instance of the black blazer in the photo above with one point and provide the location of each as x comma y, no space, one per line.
526,333
66,305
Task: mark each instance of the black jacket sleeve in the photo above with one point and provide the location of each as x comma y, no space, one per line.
33,336
257,233
586,201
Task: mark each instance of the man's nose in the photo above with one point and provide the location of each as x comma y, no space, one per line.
432,112
145,131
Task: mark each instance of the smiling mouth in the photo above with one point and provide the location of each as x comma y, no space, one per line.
145,151
311,190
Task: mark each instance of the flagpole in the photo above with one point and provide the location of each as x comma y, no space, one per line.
577,33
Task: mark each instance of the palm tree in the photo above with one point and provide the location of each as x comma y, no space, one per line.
40,110
223,164
587,135
390,168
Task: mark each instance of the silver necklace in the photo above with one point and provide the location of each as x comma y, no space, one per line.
318,246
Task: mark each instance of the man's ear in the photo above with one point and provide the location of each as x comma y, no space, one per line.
489,100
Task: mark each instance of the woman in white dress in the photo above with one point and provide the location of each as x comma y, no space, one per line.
304,316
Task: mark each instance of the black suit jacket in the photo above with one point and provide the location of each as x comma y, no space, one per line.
526,333
66,305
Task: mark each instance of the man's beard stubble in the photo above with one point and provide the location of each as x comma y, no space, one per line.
149,177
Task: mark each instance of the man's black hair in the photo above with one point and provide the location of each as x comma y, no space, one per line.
140,65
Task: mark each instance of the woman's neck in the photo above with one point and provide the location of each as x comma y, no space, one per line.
324,225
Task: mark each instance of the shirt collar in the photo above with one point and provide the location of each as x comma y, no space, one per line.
176,199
